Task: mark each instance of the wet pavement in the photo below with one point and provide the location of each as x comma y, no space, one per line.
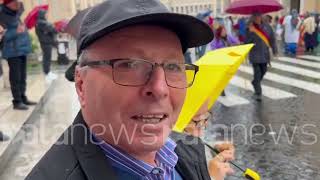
276,137
53,118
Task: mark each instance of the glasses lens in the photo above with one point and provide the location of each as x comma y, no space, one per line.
131,72
178,75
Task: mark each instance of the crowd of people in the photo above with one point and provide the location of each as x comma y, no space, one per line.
286,35
291,31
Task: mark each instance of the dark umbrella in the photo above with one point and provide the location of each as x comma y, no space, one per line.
73,26
247,7
32,17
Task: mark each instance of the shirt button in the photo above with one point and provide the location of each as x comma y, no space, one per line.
157,171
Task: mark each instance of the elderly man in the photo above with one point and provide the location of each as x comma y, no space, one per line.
131,83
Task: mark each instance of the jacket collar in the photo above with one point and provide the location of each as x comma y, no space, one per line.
91,158
95,165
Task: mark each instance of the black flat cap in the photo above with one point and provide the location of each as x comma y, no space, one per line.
112,15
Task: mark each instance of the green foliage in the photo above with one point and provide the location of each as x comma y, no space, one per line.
34,42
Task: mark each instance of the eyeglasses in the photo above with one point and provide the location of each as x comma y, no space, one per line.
134,72
201,120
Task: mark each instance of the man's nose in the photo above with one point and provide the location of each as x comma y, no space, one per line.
157,86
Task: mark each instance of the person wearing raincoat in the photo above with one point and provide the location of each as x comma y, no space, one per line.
262,35
47,37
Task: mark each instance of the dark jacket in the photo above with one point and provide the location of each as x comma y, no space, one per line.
75,157
14,44
260,52
45,31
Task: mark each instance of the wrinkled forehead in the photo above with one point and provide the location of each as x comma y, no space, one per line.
138,37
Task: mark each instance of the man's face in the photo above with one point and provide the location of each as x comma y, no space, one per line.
111,110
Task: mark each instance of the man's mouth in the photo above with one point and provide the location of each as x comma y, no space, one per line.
150,118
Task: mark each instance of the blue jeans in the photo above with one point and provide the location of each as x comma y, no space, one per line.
291,48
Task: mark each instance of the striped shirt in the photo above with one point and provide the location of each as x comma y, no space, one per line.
166,159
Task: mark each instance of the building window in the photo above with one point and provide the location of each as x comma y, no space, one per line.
210,7
191,9
196,9
187,9
172,9
181,8
201,8
177,9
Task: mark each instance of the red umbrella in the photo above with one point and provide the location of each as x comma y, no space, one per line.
31,18
61,25
246,7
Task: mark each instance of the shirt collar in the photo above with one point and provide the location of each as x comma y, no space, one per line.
165,156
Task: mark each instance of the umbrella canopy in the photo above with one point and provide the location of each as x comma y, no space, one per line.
61,25
73,26
31,18
246,7
216,68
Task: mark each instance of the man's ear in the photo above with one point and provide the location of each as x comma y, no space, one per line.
79,83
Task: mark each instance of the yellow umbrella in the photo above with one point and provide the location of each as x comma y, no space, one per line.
216,68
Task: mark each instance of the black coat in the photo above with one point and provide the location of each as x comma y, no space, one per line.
45,31
74,157
260,52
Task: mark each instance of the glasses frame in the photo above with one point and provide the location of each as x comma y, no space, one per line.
111,63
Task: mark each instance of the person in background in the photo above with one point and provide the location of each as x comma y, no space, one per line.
262,36
310,32
229,25
221,40
267,26
218,166
47,36
292,25
63,48
241,27
16,36
277,28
